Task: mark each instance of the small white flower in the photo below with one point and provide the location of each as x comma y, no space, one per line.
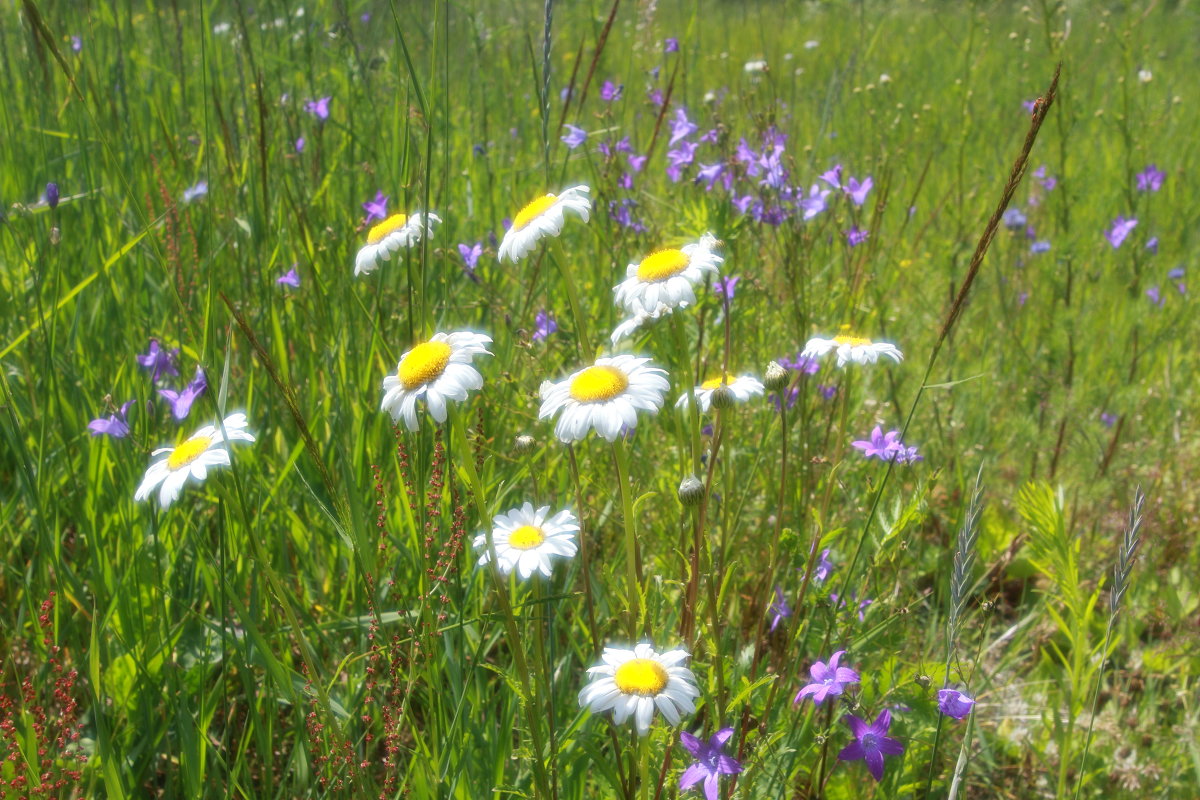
851,348
1145,75
192,458
544,216
811,44
526,540
393,233
638,681
438,370
753,67
743,387
605,396
627,327
667,276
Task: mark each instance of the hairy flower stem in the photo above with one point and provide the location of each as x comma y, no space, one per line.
633,566
510,624
585,573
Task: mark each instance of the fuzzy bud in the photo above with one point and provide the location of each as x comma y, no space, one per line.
722,397
524,444
776,377
691,491
923,681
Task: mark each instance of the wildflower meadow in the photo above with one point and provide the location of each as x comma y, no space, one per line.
599,399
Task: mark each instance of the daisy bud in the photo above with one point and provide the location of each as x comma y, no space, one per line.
524,444
723,397
776,377
691,491
55,235
923,681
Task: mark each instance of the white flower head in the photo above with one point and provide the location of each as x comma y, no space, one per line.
851,348
526,539
627,327
605,396
438,370
396,232
638,681
667,276
754,67
542,217
743,388
191,459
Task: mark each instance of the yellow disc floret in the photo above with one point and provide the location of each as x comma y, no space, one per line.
423,363
662,264
531,211
853,341
599,383
188,452
390,225
526,537
642,676
713,383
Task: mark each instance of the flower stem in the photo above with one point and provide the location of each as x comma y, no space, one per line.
586,353
633,564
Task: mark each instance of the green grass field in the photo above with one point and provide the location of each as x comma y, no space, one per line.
305,615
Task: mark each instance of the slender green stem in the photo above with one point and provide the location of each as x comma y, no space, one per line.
633,564
586,353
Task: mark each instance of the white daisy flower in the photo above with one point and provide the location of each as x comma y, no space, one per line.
851,348
743,387
439,370
192,458
627,327
393,233
635,682
667,277
605,396
526,540
543,217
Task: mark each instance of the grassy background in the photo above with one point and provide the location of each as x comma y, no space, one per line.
302,625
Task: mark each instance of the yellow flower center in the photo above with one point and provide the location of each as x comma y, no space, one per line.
532,211
642,676
390,225
713,383
188,452
853,341
662,264
526,537
597,384
423,363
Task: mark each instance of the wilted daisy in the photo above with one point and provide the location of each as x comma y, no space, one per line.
395,232
439,370
192,458
605,396
667,276
742,388
544,216
526,539
635,682
851,348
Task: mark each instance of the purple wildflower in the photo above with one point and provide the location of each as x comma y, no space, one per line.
725,287
543,325
1022,298
710,136
711,762
181,402
814,204
793,394
743,203
636,162
196,191
881,445
624,145
780,610
1039,247
574,137
954,703
828,391
115,426
801,363
1108,419
318,108
470,256
290,278
377,208
856,236
1150,179
1120,229
679,159
1014,218
858,191
655,96
833,176
862,605
159,360
1029,105
611,92
76,43
1176,273
828,679
671,45
52,195
1047,182
681,127
622,214
1152,245
1155,295
300,145
824,567
871,742
625,181
710,173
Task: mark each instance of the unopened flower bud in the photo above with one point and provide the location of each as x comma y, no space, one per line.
55,235
722,397
923,681
691,491
524,444
52,195
776,378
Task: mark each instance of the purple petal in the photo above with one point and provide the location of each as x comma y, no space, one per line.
887,744
717,740
726,765
882,722
693,745
874,760
846,675
691,776
857,726
852,752
712,787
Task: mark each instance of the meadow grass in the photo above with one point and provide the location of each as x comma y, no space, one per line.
311,621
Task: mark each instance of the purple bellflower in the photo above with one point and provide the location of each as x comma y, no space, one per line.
725,287
300,145
289,278
195,192
1108,419
1120,229
681,127
1150,179
574,137
318,108
858,191
181,402
780,610
76,43
954,703
543,325
1014,218
824,567
711,762
611,92
671,45
833,176
377,208
871,742
115,426
828,679
52,195
163,362
814,204
856,236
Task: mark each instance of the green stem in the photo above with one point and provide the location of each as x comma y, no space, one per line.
632,565
586,353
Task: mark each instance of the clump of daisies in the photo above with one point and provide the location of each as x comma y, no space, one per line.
437,371
542,217
526,540
191,459
394,233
